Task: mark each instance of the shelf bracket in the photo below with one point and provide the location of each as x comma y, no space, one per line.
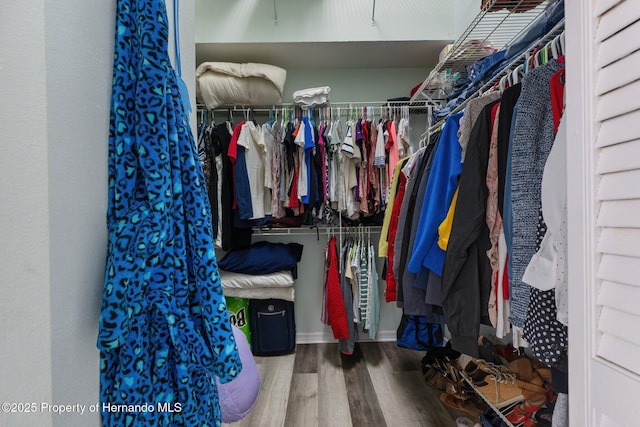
275,13
373,14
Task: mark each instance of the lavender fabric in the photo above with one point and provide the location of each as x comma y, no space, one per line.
238,396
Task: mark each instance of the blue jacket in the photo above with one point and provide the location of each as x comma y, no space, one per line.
441,185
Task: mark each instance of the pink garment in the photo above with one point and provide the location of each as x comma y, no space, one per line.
494,220
232,152
392,144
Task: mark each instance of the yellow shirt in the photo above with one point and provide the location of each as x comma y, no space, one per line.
444,229
383,244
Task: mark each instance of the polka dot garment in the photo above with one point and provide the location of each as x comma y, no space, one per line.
546,336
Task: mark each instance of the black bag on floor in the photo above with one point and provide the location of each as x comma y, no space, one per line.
273,327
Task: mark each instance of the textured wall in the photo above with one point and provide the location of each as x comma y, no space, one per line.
25,332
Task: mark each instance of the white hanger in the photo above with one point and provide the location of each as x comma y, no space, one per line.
515,75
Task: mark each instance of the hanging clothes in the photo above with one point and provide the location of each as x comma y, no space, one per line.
374,295
414,172
441,185
532,141
467,272
335,303
347,345
164,331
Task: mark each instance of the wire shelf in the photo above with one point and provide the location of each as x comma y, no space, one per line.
498,24
519,60
500,411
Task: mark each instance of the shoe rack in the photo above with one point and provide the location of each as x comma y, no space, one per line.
501,412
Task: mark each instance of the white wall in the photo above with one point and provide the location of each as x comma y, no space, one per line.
224,21
79,64
56,66
25,313
355,84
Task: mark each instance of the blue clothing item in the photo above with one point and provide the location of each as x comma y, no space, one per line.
441,186
507,220
263,258
309,145
459,87
164,331
538,28
241,186
483,69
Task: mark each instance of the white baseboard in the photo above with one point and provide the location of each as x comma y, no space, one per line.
323,337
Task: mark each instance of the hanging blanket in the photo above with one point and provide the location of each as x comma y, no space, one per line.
164,330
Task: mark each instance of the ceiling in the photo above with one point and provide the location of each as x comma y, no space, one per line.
360,54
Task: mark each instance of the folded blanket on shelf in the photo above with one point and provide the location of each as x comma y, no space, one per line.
228,83
312,97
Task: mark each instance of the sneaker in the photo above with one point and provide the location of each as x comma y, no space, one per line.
501,389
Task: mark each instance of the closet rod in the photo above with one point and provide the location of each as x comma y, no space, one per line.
343,104
336,229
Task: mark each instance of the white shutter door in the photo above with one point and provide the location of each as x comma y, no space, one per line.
617,51
603,120
611,349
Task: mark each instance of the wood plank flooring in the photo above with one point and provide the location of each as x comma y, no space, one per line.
379,385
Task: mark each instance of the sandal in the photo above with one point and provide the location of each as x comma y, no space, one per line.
457,386
462,405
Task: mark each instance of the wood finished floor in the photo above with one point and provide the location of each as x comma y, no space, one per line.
379,385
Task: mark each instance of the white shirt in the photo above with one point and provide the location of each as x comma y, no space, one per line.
252,140
547,268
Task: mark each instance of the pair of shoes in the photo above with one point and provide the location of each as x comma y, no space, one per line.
501,389
487,350
477,370
529,380
456,384
466,406
523,414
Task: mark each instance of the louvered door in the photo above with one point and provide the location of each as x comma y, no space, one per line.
604,272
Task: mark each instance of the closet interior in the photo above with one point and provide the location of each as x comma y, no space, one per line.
436,207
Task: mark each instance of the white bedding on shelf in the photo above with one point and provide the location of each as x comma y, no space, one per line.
279,279
286,294
228,83
278,285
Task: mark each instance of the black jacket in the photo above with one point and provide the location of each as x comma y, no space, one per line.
466,279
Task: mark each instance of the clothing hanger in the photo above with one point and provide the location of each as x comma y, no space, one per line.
517,74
